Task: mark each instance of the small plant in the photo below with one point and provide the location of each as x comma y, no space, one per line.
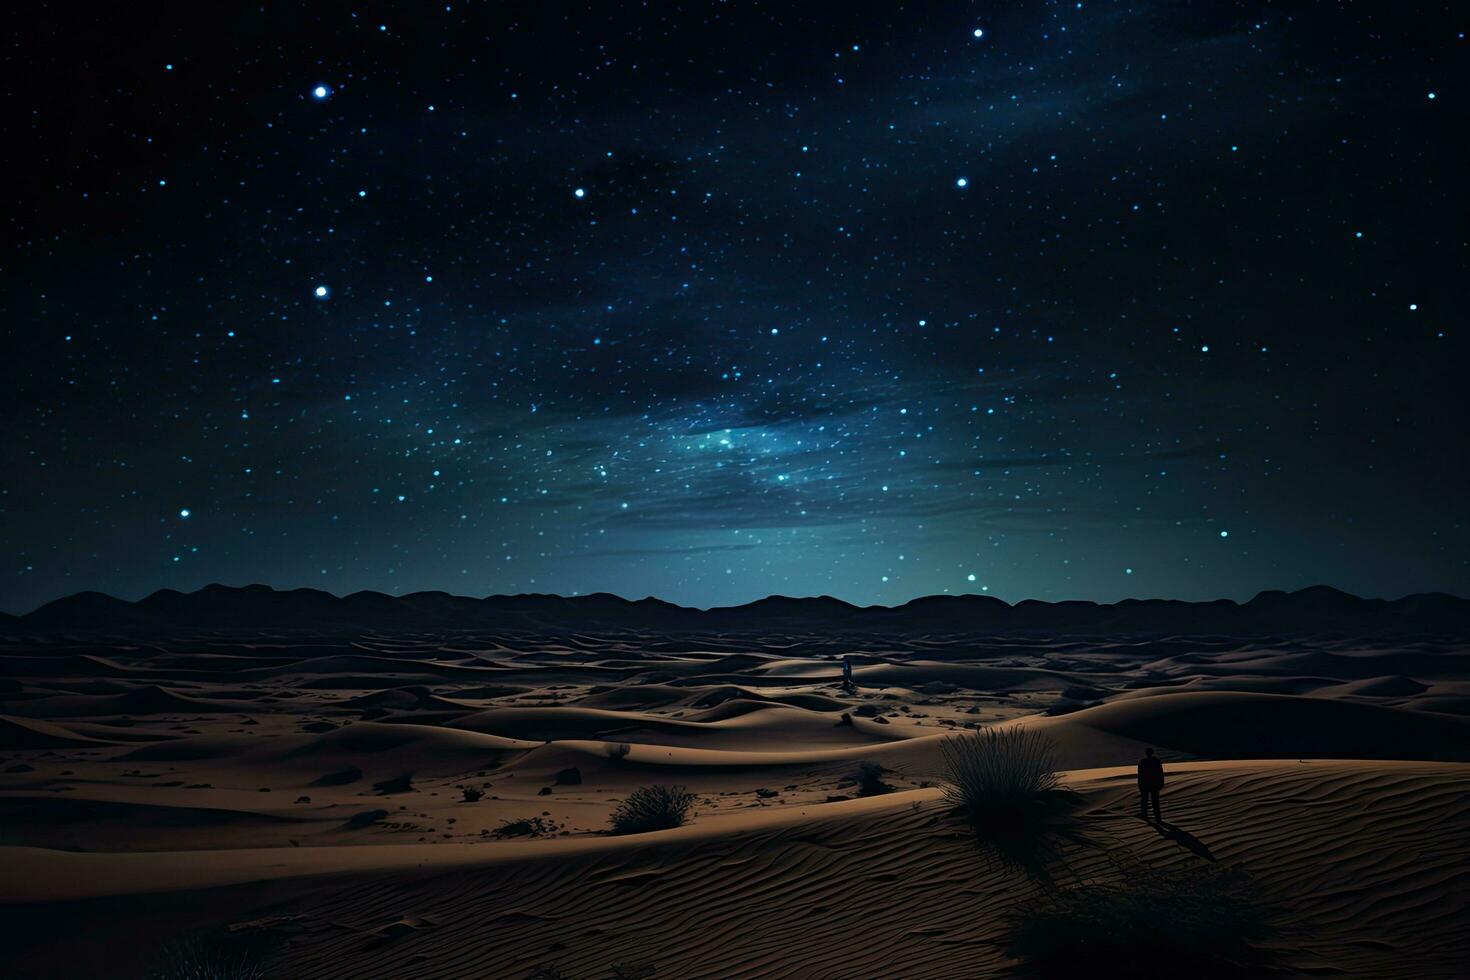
652,808
1196,921
870,780
398,784
998,776
244,955
526,827
472,795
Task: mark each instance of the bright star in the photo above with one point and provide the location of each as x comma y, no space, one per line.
962,182
978,32
184,513
320,292
320,92
579,192
1224,534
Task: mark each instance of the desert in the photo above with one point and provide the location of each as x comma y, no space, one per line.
412,800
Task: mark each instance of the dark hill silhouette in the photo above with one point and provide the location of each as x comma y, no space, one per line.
219,607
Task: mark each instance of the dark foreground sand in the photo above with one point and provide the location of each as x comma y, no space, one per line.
151,786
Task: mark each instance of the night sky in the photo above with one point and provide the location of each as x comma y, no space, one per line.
712,301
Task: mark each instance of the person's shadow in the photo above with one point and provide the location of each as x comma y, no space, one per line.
1183,838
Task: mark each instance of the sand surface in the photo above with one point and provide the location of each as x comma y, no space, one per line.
313,787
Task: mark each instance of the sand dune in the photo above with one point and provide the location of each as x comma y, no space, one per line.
896,883
1279,726
29,733
351,794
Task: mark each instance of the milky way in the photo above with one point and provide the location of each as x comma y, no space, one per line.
715,301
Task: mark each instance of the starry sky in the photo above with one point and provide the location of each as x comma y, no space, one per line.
715,300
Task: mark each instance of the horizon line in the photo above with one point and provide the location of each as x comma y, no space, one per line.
742,605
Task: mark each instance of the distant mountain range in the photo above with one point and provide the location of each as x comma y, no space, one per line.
259,607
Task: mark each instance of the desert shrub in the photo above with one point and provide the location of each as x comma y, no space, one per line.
1197,921
998,775
652,808
221,955
526,827
398,784
472,795
870,779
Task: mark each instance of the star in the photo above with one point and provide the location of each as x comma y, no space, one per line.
321,292
320,93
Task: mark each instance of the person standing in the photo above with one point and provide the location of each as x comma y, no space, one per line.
1150,782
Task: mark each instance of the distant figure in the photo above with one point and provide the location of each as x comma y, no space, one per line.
1150,781
847,672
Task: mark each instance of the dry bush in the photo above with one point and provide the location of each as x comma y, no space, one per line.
526,827
652,808
220,955
869,778
998,775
